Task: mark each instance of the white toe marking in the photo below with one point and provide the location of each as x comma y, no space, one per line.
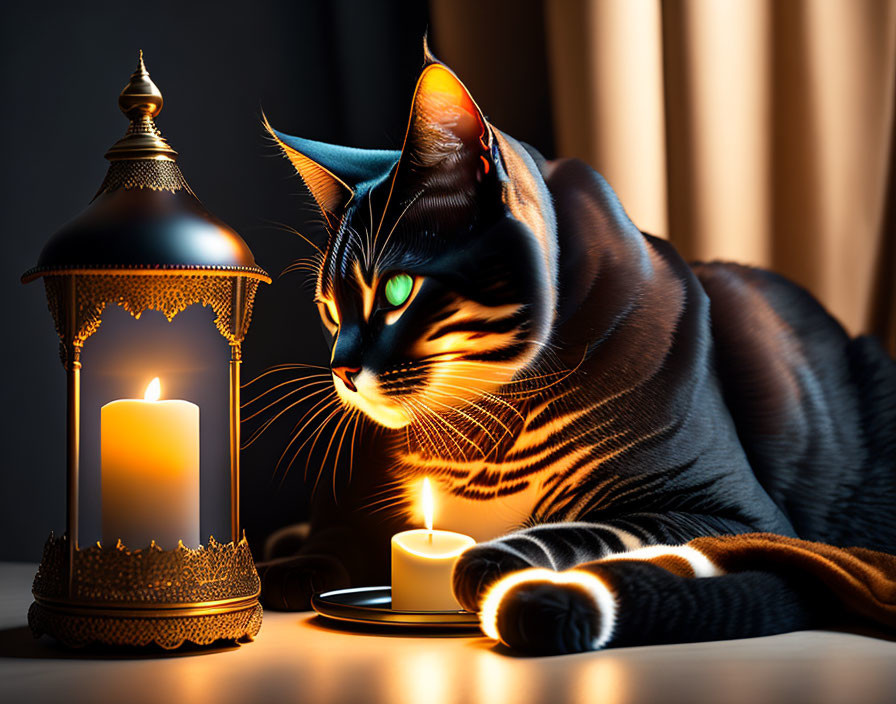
629,540
603,598
700,563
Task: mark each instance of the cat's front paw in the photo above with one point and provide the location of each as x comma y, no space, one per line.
544,618
479,568
288,583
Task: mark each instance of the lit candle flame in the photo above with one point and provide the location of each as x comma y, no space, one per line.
153,390
427,503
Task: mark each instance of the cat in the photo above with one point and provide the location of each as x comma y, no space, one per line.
571,385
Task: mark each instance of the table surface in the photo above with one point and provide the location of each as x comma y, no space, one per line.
299,657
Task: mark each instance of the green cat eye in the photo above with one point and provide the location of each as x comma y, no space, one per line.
398,288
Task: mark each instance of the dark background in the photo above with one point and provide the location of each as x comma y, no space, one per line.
336,71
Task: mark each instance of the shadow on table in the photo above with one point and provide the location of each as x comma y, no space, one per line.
20,643
474,636
869,630
483,643
394,631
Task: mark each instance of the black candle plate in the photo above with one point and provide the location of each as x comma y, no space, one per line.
373,606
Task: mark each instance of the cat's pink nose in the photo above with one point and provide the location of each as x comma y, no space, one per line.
347,374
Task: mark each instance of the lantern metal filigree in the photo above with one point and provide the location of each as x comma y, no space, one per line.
145,243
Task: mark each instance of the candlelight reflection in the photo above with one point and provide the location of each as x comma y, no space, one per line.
498,680
425,677
604,674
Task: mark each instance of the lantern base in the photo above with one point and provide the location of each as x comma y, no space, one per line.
156,629
149,597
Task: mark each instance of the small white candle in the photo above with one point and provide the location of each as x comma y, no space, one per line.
150,471
422,561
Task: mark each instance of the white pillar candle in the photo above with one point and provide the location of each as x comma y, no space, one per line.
422,562
150,471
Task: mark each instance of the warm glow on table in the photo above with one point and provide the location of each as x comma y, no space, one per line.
422,561
301,658
150,471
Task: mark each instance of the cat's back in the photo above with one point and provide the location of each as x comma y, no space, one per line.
814,409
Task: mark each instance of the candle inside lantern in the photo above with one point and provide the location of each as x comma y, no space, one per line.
150,471
422,561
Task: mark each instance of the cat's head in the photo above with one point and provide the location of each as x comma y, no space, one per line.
437,282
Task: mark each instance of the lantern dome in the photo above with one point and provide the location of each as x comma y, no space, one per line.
145,217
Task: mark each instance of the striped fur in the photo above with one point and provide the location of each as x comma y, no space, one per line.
573,387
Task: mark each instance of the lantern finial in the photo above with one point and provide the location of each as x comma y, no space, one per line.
141,101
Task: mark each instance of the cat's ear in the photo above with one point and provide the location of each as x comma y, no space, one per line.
333,174
447,130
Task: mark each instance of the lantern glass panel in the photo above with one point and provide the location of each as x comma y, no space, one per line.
190,358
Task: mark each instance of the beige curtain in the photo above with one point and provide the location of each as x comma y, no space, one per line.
757,131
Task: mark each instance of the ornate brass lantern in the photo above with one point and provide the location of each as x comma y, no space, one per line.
145,243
